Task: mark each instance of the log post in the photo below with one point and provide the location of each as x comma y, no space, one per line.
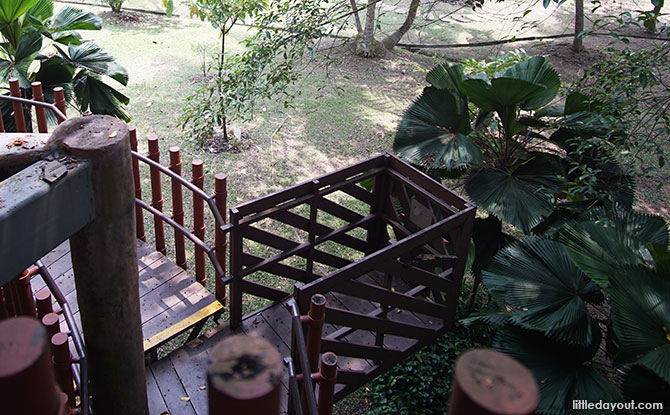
487,382
59,100
104,260
314,320
27,381
38,95
177,207
198,179
19,117
62,364
44,304
328,378
245,377
220,198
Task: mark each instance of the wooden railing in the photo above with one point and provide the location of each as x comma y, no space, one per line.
22,107
196,234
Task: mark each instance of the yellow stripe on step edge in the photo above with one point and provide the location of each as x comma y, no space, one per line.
182,325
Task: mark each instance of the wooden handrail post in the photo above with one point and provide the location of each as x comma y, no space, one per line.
27,382
314,320
198,179
221,201
62,363
244,377
235,270
487,382
44,303
328,378
25,295
177,207
39,111
139,213
19,118
59,101
51,323
157,194
104,260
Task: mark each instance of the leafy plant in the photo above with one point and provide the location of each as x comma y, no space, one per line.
38,45
547,288
287,32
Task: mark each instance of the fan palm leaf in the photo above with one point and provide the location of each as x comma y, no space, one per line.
542,289
640,300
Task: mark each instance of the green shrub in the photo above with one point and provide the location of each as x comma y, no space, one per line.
421,384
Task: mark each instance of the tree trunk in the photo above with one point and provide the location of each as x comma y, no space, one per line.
357,18
651,24
369,32
578,42
391,40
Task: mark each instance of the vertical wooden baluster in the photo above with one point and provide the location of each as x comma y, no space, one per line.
313,211
177,207
59,100
139,212
328,379
235,270
2,124
15,91
51,322
25,295
62,364
39,111
198,179
12,305
157,195
221,200
44,304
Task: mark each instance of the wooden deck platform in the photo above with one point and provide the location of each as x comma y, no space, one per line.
171,301
177,384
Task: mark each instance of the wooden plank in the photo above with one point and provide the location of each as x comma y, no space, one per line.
428,183
156,402
191,362
303,223
182,312
369,352
282,270
259,326
392,251
391,298
288,246
171,388
366,322
441,282
169,294
170,328
339,211
56,253
354,190
156,274
263,291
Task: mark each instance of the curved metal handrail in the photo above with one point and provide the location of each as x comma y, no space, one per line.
46,105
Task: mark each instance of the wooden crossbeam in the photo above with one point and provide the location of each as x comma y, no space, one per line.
362,321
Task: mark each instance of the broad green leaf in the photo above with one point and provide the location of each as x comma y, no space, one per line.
543,289
603,240
538,71
562,370
430,133
488,238
68,37
447,77
640,300
91,57
26,52
11,10
53,72
501,93
521,196
70,18
96,96
42,10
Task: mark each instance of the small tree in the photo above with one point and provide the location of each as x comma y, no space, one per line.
223,14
